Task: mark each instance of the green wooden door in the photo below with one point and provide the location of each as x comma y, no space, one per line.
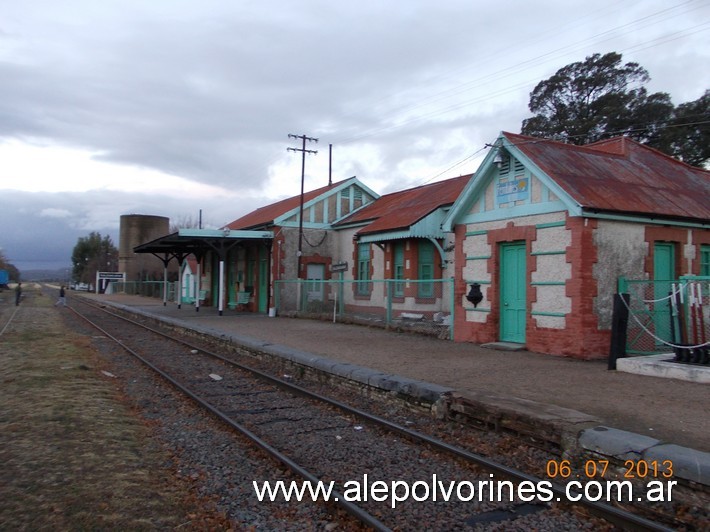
512,292
663,275
263,280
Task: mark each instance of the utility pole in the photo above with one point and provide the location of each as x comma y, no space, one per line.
303,151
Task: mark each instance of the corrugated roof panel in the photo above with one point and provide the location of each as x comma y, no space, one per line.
401,210
621,175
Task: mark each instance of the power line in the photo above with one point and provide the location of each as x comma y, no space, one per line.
643,22
638,24
459,163
537,140
303,151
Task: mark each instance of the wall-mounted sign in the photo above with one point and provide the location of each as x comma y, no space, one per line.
115,276
339,267
103,280
513,190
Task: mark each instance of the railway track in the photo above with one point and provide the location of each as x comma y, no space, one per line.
365,457
339,444
8,309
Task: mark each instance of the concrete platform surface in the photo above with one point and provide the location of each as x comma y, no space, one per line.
663,366
669,412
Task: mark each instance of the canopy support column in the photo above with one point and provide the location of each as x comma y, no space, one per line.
178,292
221,286
197,282
165,284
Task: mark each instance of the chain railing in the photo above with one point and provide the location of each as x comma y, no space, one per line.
424,306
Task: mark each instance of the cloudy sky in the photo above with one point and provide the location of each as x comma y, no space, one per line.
169,107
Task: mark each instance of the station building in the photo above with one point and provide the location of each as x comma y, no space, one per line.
399,253
542,231
302,247
547,228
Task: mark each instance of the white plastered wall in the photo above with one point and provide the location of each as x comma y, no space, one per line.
621,251
477,250
551,273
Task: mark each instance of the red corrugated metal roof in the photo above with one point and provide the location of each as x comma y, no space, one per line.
400,210
620,175
265,216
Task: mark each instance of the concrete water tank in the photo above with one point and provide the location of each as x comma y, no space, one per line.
137,229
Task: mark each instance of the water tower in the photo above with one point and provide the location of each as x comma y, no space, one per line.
137,229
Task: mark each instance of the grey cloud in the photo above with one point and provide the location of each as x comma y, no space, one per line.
209,90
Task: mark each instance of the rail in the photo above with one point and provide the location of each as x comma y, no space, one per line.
614,515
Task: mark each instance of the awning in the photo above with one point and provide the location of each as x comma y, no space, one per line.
198,242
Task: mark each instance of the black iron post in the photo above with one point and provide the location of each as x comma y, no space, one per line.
619,325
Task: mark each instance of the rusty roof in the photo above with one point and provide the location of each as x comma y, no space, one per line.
400,210
620,175
264,216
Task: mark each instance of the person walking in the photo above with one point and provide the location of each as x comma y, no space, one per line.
62,297
18,293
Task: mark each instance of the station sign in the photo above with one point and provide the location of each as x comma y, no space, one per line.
114,276
103,280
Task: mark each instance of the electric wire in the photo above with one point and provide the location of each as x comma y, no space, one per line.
638,24
607,134
516,70
656,17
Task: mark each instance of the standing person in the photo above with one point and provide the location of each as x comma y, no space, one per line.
62,297
18,293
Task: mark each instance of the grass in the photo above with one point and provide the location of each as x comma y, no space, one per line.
74,456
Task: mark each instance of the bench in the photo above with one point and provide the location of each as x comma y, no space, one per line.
242,300
191,300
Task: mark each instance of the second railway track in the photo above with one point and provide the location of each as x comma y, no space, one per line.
364,457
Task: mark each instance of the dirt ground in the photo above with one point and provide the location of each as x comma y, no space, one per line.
74,454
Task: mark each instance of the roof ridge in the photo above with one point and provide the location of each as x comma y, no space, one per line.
568,145
627,144
620,175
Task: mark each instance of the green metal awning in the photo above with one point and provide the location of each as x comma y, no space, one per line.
198,241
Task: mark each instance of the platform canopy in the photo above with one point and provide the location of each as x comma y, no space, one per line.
199,241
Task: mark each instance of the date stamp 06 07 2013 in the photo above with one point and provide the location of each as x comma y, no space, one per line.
596,469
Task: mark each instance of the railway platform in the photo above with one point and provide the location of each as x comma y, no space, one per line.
615,414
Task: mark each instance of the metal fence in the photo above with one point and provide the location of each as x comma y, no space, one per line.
666,315
424,306
144,288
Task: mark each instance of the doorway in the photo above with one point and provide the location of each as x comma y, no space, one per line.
513,293
315,273
263,292
664,274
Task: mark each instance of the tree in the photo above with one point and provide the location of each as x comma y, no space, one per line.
688,136
186,222
601,97
12,272
92,254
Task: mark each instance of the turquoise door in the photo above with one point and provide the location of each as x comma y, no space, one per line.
263,280
663,275
512,292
